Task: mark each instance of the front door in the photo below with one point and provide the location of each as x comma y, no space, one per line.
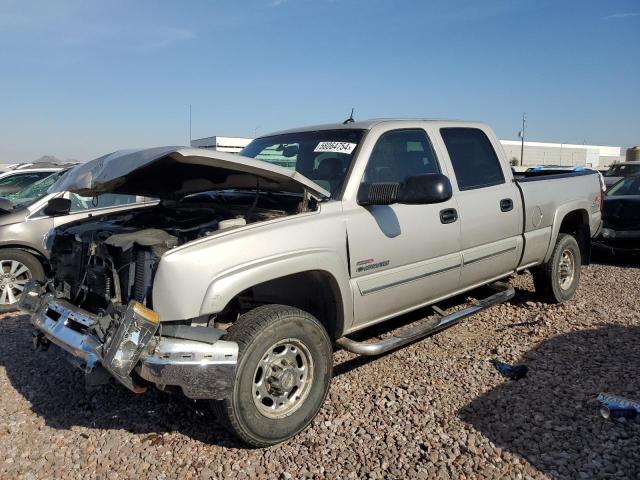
401,256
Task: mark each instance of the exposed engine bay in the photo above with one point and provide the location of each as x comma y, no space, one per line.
101,264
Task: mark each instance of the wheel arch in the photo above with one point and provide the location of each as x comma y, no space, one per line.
29,249
573,220
315,282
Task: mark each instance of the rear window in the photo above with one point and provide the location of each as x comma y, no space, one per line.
474,160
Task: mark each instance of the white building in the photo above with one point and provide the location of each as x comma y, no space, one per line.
539,153
222,144
535,153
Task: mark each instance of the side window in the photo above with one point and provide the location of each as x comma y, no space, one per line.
80,204
400,154
474,160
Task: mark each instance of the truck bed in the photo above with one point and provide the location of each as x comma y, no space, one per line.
547,196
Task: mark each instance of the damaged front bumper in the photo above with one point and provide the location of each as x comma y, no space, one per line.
202,369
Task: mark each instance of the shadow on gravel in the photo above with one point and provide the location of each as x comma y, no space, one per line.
615,259
57,393
550,418
418,317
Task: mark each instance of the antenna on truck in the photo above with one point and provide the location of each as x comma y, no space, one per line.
350,119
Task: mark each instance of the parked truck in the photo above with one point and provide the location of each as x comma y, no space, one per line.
238,284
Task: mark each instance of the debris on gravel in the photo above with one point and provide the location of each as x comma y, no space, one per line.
435,409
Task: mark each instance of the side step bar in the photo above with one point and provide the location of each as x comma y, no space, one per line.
505,292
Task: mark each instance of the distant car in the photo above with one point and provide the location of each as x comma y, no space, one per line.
621,170
24,223
17,179
621,217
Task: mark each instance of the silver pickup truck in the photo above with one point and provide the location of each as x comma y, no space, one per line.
238,284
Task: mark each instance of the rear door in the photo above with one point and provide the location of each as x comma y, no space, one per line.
490,206
401,256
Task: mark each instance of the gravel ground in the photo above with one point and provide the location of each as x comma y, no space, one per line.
435,409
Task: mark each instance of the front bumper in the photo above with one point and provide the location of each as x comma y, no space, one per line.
202,369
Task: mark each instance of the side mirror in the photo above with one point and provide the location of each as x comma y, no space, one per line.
5,205
416,190
57,206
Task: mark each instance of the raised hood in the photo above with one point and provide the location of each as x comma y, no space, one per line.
174,172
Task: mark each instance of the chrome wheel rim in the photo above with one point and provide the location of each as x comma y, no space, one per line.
283,378
566,269
14,275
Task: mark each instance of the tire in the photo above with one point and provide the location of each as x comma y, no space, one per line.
552,281
259,410
14,261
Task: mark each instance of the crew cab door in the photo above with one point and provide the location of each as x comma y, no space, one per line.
401,256
489,202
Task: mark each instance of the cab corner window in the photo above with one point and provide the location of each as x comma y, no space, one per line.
473,158
399,154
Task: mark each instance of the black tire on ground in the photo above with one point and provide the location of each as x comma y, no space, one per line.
260,334
35,271
553,281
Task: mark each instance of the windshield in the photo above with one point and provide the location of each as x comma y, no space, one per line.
22,179
623,170
627,186
33,192
323,156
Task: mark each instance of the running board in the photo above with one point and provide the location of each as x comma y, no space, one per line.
505,292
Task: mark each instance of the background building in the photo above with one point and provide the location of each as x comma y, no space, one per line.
222,144
535,153
538,153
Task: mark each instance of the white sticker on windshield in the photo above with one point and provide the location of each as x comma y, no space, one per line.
335,147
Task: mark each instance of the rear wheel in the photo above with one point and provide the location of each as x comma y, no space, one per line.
17,267
557,280
284,370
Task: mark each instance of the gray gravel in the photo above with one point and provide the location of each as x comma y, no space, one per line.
435,409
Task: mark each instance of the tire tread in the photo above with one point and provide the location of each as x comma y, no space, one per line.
243,331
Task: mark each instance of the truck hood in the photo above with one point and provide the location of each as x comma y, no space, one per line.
175,172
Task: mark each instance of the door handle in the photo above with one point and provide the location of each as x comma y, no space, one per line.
506,204
448,215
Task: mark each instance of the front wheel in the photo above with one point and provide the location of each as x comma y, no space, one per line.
17,267
285,363
557,280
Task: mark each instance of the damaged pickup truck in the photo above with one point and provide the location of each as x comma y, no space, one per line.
237,284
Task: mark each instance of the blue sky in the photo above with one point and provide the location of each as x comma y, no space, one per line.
81,78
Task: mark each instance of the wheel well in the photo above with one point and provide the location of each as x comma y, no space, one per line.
43,260
576,223
315,292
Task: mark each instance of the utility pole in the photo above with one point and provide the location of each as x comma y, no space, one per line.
524,121
190,137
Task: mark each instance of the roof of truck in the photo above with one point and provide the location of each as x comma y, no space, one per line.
368,124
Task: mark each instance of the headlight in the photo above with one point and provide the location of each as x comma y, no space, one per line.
138,325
